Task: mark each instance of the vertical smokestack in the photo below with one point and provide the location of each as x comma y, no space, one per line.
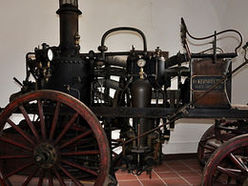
68,13
71,2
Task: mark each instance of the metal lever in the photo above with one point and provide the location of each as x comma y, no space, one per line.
18,82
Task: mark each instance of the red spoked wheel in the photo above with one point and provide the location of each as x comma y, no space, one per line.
229,164
48,137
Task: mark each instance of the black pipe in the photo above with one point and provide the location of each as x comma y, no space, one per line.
219,56
175,60
116,60
68,13
103,48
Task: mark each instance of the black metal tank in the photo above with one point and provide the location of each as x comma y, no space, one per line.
70,73
141,91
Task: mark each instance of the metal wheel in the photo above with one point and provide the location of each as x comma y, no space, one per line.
229,164
50,137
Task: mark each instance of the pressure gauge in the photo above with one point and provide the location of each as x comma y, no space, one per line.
50,54
141,63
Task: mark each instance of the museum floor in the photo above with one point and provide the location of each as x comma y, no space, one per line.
179,172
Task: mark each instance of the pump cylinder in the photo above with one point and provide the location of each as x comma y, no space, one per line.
141,92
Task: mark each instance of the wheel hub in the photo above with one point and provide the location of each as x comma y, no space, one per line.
45,155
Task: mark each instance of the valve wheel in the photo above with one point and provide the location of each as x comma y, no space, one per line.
48,136
229,164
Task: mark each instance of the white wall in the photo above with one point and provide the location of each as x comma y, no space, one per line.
26,24
235,14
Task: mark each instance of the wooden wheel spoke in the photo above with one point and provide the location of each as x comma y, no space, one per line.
15,156
66,128
73,140
65,137
209,138
42,122
55,119
213,145
210,148
234,173
79,153
19,169
50,179
70,176
60,179
41,177
30,177
29,122
1,181
238,162
79,128
80,167
88,146
14,143
208,153
20,131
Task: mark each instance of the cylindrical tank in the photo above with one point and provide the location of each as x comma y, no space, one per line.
70,73
141,91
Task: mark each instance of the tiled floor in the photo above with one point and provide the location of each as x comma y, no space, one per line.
171,173
179,172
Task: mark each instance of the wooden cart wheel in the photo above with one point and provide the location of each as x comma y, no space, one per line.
229,164
215,136
50,137
207,145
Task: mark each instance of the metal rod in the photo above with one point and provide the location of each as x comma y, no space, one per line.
124,29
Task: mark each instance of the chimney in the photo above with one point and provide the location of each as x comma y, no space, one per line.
69,37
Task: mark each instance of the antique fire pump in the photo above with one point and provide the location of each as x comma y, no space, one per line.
61,127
